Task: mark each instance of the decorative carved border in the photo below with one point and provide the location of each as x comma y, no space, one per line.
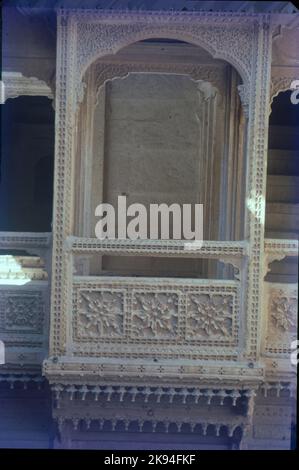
278,245
14,84
162,425
209,249
19,240
63,371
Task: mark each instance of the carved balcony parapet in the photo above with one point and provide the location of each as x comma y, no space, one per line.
142,317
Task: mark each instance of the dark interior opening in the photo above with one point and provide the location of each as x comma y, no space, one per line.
27,164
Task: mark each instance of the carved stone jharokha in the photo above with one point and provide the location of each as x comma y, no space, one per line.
135,351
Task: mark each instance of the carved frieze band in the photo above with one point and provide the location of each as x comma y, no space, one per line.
15,240
14,269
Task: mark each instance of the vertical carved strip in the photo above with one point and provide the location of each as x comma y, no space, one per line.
63,181
257,157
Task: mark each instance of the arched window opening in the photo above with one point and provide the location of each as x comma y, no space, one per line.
161,122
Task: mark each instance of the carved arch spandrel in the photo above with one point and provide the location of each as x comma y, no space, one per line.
224,36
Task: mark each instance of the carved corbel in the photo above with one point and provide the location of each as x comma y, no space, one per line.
237,264
244,97
270,258
281,84
15,84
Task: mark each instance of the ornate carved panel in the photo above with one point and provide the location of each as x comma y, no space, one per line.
125,317
209,316
100,314
281,319
22,316
154,315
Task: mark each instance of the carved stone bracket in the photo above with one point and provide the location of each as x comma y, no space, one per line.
277,250
14,84
281,83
